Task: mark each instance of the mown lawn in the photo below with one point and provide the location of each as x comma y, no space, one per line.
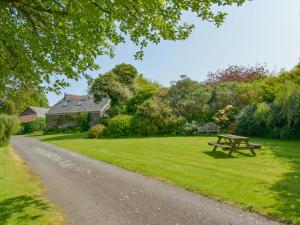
268,183
21,195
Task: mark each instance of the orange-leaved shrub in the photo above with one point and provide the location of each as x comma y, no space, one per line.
97,131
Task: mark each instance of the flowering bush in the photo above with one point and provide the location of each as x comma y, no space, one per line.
97,131
224,117
232,128
191,128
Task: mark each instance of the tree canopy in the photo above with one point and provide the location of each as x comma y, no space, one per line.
16,102
47,41
117,84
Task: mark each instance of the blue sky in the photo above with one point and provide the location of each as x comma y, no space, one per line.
261,31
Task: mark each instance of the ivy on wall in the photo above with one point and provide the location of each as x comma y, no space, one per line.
73,121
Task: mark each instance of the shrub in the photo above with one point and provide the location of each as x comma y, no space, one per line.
224,117
97,131
104,120
232,128
191,128
9,125
38,124
156,117
119,126
247,124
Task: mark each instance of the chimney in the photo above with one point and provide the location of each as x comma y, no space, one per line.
65,100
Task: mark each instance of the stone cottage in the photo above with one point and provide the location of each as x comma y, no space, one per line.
32,113
59,116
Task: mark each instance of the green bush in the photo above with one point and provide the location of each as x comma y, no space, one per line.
246,124
191,128
97,131
9,125
38,124
120,126
156,117
104,120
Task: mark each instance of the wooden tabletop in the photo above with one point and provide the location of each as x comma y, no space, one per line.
234,137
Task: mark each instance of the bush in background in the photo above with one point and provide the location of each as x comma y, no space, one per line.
120,126
191,128
97,131
104,120
224,117
246,124
9,125
38,124
156,117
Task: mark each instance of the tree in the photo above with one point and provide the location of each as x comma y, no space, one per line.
125,88
287,101
247,124
237,73
145,89
18,101
189,99
41,38
224,94
117,84
155,116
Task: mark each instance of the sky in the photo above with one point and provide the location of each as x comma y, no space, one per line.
259,32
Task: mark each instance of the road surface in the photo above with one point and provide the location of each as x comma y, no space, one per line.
95,193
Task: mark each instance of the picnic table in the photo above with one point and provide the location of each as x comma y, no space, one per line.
231,143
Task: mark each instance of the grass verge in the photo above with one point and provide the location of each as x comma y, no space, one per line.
21,195
268,184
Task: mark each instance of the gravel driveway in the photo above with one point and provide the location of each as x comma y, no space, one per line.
95,193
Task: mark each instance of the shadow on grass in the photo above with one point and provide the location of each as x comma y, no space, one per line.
288,187
218,155
224,155
62,137
84,135
17,207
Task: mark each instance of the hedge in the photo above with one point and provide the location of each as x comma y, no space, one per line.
120,126
9,125
38,124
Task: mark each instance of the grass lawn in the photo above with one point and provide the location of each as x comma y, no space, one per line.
21,195
268,183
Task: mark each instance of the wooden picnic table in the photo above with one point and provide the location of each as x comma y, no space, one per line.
231,143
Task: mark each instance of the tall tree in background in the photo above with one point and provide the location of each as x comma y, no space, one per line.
118,84
236,73
17,101
63,37
190,99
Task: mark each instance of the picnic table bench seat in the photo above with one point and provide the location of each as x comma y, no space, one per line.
255,146
219,145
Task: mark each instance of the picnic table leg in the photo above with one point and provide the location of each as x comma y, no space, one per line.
232,148
251,150
219,140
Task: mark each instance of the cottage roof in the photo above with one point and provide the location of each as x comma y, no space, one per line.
40,112
31,113
78,103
